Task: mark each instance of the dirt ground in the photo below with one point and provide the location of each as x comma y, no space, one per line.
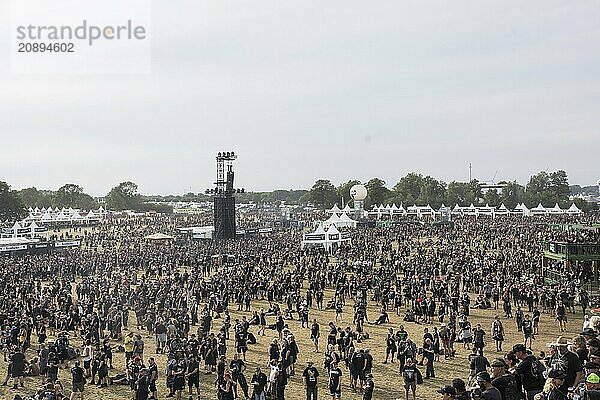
388,382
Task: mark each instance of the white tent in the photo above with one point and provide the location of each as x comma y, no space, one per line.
539,210
502,210
76,216
334,219
47,217
334,210
346,221
556,210
34,229
574,210
62,217
471,210
347,209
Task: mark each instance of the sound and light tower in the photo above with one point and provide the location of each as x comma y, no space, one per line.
224,199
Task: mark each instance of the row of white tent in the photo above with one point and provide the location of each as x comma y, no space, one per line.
341,221
520,209
65,215
56,210
20,230
328,239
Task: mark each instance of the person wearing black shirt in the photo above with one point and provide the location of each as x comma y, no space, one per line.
259,382
281,382
358,361
368,388
390,344
193,374
478,337
368,361
142,385
310,378
527,328
314,335
409,374
460,388
152,376
77,374
274,350
237,368
532,384
503,381
18,365
572,363
335,381
179,378
478,362
53,363
241,339
429,354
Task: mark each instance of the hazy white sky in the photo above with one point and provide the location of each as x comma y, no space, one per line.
332,89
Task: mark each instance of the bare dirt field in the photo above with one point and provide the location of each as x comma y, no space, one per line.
388,382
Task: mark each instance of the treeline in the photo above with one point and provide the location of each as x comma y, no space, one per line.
414,188
547,188
276,196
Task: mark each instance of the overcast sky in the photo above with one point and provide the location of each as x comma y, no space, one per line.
331,89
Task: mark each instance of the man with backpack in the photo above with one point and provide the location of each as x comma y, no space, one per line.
504,381
531,370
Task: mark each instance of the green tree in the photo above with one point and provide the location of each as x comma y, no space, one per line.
473,192
343,191
559,187
492,198
512,194
323,194
548,189
456,193
377,193
36,198
71,195
408,189
124,196
432,192
584,205
11,205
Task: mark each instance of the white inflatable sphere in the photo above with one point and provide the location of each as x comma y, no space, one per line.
358,192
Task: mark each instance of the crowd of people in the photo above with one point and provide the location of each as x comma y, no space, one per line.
154,318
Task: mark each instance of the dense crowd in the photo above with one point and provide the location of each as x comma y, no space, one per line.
73,310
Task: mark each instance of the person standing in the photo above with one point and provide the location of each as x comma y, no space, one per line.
18,364
310,378
78,375
410,375
391,347
530,371
504,381
429,353
489,392
315,334
527,328
193,375
498,333
335,381
259,383
368,388
142,385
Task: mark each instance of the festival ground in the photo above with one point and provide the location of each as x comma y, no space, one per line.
388,381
